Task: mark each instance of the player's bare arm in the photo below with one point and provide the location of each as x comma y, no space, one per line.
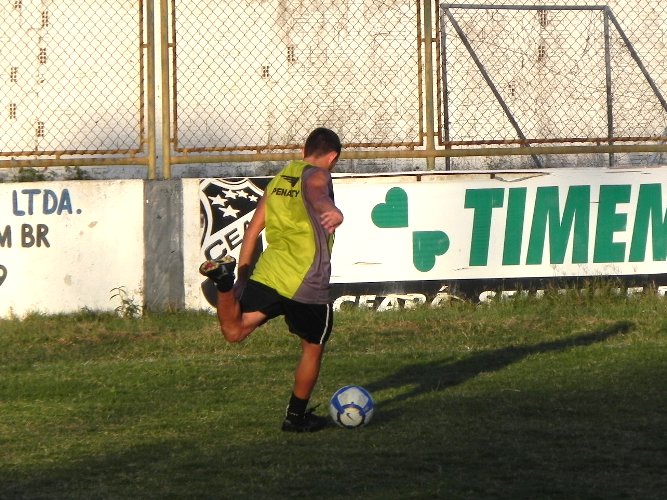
317,193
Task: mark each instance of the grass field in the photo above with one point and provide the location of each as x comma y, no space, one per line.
561,397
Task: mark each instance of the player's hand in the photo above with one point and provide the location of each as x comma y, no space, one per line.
331,219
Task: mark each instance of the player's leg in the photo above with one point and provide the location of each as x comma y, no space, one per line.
313,323
235,325
308,369
297,417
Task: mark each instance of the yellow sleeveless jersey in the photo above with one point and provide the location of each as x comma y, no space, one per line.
297,260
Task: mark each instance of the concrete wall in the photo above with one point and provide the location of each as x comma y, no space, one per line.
163,237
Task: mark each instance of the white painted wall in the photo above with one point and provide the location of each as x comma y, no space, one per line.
91,242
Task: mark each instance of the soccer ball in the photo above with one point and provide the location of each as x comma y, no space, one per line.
351,406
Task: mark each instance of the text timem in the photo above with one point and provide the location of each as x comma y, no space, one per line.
573,222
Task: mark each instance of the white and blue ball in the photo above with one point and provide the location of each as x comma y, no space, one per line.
351,407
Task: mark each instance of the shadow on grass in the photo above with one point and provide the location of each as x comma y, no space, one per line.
440,375
419,460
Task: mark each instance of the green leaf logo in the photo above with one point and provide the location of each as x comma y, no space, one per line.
426,246
393,212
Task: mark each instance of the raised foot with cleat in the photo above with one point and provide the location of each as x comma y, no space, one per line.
217,269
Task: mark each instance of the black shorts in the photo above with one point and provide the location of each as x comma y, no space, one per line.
311,322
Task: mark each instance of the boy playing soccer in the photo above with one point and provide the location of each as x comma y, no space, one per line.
291,276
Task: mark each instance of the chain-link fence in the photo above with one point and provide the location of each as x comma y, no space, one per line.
255,75
558,73
72,77
396,78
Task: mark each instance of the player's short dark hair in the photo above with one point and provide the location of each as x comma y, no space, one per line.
322,141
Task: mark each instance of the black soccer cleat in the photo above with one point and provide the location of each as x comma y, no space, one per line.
220,271
217,269
308,422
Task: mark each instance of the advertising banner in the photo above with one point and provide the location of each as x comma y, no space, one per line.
425,238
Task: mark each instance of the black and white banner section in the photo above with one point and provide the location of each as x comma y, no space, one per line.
227,205
410,294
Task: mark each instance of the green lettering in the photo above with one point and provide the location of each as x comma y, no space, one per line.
482,201
516,208
547,211
610,222
649,207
